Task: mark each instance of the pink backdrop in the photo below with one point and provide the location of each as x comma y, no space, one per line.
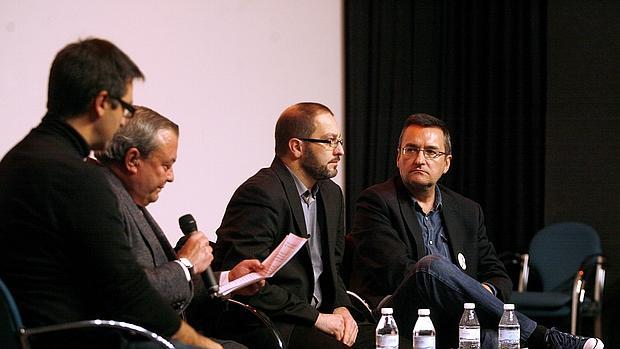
223,70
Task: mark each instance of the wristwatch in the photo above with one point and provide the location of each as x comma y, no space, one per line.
188,264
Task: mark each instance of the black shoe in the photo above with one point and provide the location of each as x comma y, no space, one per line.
561,340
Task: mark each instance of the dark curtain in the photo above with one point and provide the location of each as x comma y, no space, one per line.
480,66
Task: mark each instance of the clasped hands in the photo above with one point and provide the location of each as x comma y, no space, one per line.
339,324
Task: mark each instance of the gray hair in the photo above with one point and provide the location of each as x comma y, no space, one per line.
139,132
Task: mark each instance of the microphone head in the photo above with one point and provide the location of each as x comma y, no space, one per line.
187,223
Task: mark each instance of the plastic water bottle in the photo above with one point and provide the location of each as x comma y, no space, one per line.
509,330
469,328
387,331
424,331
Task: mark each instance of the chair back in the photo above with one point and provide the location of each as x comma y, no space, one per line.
10,321
557,251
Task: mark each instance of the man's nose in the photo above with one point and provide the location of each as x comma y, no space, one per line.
339,150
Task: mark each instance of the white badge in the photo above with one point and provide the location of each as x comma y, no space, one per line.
461,259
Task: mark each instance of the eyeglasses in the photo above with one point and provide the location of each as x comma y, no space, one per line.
428,153
332,143
128,109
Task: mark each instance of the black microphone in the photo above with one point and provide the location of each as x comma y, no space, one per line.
188,225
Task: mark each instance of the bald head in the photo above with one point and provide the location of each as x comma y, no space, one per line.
297,121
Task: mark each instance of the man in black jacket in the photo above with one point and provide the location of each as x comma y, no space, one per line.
64,253
427,246
306,299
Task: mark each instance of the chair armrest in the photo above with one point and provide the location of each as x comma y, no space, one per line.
513,262
262,318
592,269
119,325
524,275
361,307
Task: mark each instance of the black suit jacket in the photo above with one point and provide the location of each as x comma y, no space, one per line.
65,256
388,240
260,214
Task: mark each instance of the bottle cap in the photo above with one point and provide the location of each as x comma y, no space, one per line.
509,307
424,312
469,306
387,311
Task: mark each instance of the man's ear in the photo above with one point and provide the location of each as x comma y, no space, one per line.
98,106
295,146
132,160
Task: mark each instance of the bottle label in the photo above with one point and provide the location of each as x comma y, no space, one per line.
469,333
509,335
423,342
387,341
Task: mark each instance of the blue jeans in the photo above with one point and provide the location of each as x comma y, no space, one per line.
442,287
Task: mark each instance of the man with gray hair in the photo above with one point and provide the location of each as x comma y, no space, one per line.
139,162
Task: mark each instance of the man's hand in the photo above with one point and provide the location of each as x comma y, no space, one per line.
332,324
243,268
198,251
350,326
487,287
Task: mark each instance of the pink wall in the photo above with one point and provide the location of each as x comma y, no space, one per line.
223,70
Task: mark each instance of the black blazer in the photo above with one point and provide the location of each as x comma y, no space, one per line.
65,255
388,240
260,214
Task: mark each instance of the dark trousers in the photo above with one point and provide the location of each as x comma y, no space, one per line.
305,337
442,287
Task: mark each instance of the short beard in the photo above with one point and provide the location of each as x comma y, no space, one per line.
315,169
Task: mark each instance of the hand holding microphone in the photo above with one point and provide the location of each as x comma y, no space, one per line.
197,249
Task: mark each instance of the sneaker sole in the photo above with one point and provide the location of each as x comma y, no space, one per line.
593,343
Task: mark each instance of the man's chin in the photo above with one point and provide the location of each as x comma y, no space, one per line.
152,198
331,173
411,183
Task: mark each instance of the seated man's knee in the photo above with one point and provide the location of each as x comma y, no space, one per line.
431,263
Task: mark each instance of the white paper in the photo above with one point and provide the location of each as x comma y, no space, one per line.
274,262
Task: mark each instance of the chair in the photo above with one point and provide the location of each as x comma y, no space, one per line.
361,309
258,330
567,258
13,334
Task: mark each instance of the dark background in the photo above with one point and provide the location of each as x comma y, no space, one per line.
582,162
530,92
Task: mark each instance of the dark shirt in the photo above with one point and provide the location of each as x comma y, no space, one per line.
64,254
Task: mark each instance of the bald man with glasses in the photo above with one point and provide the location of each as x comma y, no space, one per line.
306,299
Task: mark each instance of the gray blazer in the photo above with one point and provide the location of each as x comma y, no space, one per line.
151,248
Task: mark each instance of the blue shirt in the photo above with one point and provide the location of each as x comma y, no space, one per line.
435,238
433,232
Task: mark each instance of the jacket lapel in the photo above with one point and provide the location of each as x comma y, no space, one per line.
407,211
286,178
127,206
292,195
331,220
159,234
450,214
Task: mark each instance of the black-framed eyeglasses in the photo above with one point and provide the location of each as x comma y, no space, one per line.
128,109
429,154
332,143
